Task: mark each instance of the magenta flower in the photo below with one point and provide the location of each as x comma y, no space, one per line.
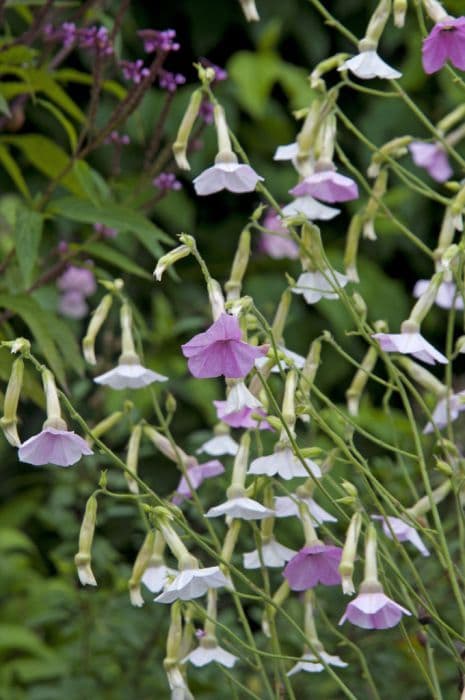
433,158
278,244
197,475
316,563
446,41
373,611
242,418
410,344
221,352
328,186
156,40
52,446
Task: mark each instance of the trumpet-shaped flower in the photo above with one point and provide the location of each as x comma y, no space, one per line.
368,65
206,653
313,564
411,343
285,464
396,528
327,185
240,397
316,285
242,418
273,555
220,351
309,207
310,663
52,446
193,583
219,445
197,475
232,176
447,295
445,42
156,576
433,158
278,244
287,152
447,410
286,507
373,611
242,508
129,376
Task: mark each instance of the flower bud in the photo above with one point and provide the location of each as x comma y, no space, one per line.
86,536
239,266
216,298
105,425
184,131
427,299
400,10
170,259
96,322
351,251
360,380
371,210
435,10
9,421
21,345
349,553
377,24
132,459
140,565
423,506
249,9
162,443
54,418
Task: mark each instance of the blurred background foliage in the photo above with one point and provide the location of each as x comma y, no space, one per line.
57,640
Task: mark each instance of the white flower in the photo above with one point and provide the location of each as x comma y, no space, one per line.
287,152
240,397
403,532
290,359
193,583
206,653
219,445
447,295
410,343
286,507
132,376
178,686
241,507
285,464
85,574
447,409
316,285
274,555
156,576
367,65
311,664
309,207
235,177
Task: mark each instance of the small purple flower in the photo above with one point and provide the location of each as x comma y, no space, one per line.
118,139
280,244
135,71
156,40
105,231
170,81
52,446
77,279
197,475
433,158
220,351
373,611
73,305
410,344
242,418
327,186
446,41
97,39
166,182
68,33
206,111
316,563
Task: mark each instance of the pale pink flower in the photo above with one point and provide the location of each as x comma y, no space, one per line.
285,464
73,305
193,583
368,65
242,508
447,410
446,41
373,611
197,475
310,208
232,176
313,564
52,446
278,244
129,376
77,279
220,351
411,343
328,186
273,555
242,418
402,531
447,295
290,359
240,397
286,507
433,158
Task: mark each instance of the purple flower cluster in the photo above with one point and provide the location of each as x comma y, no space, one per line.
170,81
157,40
118,139
166,182
105,231
94,38
135,71
75,284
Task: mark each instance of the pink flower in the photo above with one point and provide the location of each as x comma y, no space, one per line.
52,446
72,304
446,41
433,158
242,418
327,185
233,176
373,611
280,244
197,475
77,279
410,344
220,351
396,528
317,563
447,296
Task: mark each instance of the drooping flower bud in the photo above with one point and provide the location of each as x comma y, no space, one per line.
349,553
184,131
132,459
250,11
105,425
216,298
241,260
170,259
138,570
351,251
96,322
371,210
86,536
8,422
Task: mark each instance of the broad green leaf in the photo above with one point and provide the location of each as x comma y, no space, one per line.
17,55
65,123
70,350
114,215
71,75
254,75
28,234
33,671
11,539
115,258
19,638
14,171
38,322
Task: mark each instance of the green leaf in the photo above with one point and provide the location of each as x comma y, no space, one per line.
17,55
70,349
254,75
4,107
28,234
38,322
65,123
13,171
115,258
14,540
71,75
19,638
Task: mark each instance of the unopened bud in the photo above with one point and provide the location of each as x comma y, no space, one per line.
239,266
350,489
132,459
400,10
444,467
349,553
360,305
216,298
162,443
170,259
86,536
18,345
138,570
104,426
9,421
170,404
184,131
250,11
96,322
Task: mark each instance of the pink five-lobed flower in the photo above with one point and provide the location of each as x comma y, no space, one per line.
52,446
242,418
445,42
396,528
278,244
313,564
410,344
233,176
221,352
447,296
327,186
433,158
373,610
197,475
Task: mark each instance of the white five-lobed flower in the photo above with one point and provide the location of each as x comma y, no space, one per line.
240,397
447,296
290,359
368,65
129,376
273,555
242,508
310,663
410,343
233,176
317,285
287,152
447,409
396,528
285,464
156,576
310,208
219,445
207,653
286,507
193,583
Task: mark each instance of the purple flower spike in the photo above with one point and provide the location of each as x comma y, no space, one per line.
328,186
166,182
52,446
221,352
134,70
170,81
373,611
433,158
317,563
197,475
446,41
155,40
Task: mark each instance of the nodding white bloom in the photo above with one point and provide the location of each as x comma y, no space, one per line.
447,296
285,464
273,555
156,576
209,651
447,410
219,445
129,376
193,583
287,152
286,507
410,343
242,508
290,359
309,207
368,65
316,285
310,663
396,528
177,684
240,397
233,176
